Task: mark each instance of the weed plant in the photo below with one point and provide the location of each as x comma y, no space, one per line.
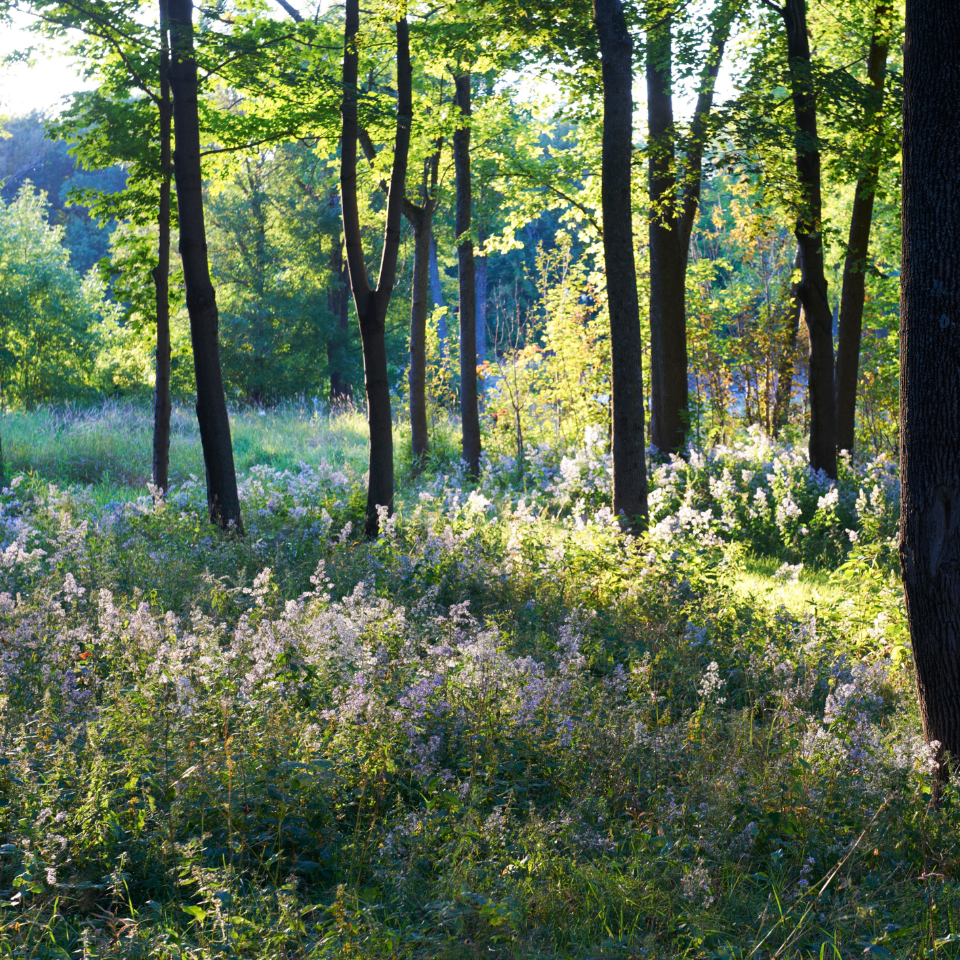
500,730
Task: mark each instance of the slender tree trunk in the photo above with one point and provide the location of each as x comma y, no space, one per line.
813,282
725,14
436,287
481,304
629,466
929,352
161,273
223,500
785,368
422,220
854,267
674,200
668,321
338,302
436,291
469,405
371,304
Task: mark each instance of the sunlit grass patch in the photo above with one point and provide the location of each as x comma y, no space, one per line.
802,591
110,445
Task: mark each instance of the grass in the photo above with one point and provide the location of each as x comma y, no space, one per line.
813,588
109,446
498,731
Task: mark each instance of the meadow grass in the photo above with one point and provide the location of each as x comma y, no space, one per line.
499,730
109,446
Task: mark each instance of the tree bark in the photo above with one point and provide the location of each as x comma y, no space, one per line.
223,499
436,291
629,466
371,304
785,368
854,268
813,282
419,308
420,218
481,304
669,410
469,404
161,273
930,356
674,201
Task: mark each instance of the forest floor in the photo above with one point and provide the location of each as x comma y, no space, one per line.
500,730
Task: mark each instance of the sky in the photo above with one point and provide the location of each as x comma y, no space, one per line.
41,86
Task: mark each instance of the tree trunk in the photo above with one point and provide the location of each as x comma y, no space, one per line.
674,201
629,466
436,291
669,413
422,220
371,304
854,267
481,304
930,355
785,368
338,302
223,500
161,273
813,283
469,405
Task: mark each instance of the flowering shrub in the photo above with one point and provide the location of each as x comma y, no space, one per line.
500,727
756,492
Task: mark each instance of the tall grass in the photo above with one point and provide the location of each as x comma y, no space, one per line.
110,445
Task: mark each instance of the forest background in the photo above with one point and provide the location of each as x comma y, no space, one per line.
81,322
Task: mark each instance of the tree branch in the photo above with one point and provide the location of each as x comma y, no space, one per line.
698,126
291,11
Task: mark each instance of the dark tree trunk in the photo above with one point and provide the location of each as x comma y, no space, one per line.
481,324
338,302
469,404
161,273
371,304
223,500
436,291
421,219
813,283
669,413
629,466
785,368
674,200
930,357
855,266
436,287
419,308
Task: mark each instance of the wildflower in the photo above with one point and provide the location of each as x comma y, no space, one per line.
711,685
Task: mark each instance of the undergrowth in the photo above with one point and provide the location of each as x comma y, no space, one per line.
500,730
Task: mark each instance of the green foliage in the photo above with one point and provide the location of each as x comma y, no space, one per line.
270,263
552,385
52,319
